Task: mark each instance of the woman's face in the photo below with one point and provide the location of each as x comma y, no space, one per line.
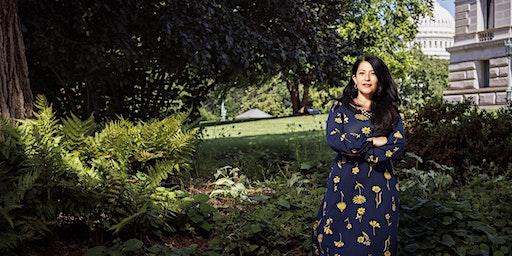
365,79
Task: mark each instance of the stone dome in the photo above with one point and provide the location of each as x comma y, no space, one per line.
436,33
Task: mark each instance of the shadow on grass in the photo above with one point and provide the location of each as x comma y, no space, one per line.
262,156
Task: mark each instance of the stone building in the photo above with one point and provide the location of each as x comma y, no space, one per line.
436,33
478,67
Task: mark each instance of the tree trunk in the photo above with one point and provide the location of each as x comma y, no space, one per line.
303,110
299,107
15,93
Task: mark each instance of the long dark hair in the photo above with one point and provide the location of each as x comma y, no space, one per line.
385,100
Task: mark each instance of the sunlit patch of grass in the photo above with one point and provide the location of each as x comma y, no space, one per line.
266,126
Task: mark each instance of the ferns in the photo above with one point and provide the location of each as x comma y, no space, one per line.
161,171
16,178
75,130
111,177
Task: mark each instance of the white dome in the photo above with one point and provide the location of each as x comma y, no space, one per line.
436,33
441,22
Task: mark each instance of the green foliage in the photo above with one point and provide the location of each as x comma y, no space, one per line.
461,135
137,247
75,130
228,182
17,177
167,55
272,224
470,220
270,96
208,114
426,80
384,28
322,98
425,182
109,180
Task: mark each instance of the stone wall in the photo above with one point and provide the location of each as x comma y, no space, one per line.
462,76
462,18
498,72
470,53
502,12
464,83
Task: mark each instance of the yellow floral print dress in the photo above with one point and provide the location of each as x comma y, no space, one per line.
358,215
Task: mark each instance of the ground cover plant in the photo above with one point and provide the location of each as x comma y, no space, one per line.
118,188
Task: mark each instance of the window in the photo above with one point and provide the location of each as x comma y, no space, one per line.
488,11
483,73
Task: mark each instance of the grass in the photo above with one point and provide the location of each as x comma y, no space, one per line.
267,126
263,147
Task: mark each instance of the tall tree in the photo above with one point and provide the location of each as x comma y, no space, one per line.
143,58
380,27
15,93
385,28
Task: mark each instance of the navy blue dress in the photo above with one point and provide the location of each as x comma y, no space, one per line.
358,215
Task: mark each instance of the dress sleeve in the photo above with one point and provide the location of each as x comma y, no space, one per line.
340,141
392,149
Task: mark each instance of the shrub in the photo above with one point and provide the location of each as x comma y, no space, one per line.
55,173
275,223
470,220
460,135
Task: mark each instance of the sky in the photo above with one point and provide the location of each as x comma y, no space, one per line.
449,5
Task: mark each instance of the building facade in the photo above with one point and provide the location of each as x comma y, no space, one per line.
479,68
436,33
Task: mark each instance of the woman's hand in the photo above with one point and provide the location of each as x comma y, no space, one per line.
378,141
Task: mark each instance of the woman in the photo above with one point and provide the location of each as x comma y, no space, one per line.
359,211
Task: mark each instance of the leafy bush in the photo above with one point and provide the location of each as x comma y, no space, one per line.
425,182
470,220
57,173
425,81
229,183
460,135
437,217
18,177
137,247
275,223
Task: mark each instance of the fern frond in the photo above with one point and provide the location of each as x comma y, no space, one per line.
5,214
8,241
9,138
124,222
75,130
88,176
161,171
41,102
44,116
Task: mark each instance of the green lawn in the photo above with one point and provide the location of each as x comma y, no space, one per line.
263,147
267,126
